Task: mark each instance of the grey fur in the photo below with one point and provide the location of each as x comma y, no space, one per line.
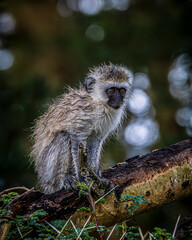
77,119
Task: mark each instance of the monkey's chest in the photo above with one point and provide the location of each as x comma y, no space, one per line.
109,122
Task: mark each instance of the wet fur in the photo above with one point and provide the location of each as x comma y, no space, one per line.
77,118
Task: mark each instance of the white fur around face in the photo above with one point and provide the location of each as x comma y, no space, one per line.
112,117
109,122
99,94
116,119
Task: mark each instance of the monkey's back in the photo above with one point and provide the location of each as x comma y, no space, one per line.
74,112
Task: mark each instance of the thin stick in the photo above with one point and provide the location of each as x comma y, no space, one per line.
93,207
146,234
83,227
74,226
52,227
111,232
64,227
105,194
27,233
151,235
141,234
93,227
122,236
19,231
176,225
14,188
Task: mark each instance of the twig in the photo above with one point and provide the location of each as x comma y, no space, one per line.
141,234
93,227
74,226
52,227
64,227
151,235
122,236
176,225
111,231
83,227
14,188
19,231
93,207
27,233
146,234
105,195
3,220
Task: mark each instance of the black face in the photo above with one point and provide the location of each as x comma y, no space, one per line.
115,96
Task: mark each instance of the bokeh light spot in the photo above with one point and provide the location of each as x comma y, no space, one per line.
95,33
141,80
140,103
141,132
7,23
92,7
121,5
180,77
63,9
6,59
184,117
73,5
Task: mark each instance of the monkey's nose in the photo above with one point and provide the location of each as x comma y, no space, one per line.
116,104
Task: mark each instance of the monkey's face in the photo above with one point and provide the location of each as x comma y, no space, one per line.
109,85
115,96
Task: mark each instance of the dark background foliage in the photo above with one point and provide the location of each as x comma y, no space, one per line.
51,44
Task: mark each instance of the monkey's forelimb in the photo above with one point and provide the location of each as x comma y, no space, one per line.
99,185
93,154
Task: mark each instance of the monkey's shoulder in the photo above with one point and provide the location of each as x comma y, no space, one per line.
74,99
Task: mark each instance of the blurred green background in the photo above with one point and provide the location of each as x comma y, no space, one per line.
46,45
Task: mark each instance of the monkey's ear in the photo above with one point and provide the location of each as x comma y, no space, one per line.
89,82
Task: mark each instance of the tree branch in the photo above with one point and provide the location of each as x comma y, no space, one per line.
162,176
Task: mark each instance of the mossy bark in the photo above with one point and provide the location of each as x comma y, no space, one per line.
163,176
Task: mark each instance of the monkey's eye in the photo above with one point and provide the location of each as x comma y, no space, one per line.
110,90
122,91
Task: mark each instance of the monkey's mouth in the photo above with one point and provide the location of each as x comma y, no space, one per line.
115,105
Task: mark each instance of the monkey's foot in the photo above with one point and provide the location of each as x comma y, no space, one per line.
100,186
69,183
103,186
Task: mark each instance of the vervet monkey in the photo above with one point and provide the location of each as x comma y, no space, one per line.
80,117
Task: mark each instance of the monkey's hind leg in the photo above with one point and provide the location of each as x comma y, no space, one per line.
72,176
54,163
